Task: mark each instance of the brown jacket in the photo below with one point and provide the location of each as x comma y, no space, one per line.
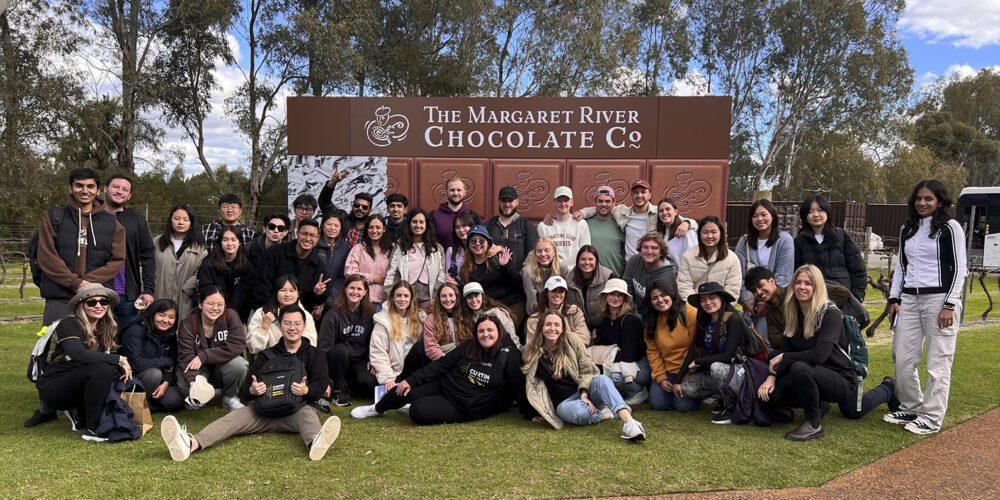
72,275
225,342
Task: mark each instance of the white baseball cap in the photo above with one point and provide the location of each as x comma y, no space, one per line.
563,191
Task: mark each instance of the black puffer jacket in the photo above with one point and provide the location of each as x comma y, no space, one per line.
838,257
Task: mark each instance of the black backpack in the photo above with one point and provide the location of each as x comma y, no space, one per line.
55,216
278,373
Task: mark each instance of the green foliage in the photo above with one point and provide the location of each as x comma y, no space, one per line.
908,166
833,164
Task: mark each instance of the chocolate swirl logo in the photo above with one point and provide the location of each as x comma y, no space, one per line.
386,128
689,193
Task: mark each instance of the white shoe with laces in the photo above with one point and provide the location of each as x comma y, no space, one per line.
363,412
322,441
176,437
633,431
232,403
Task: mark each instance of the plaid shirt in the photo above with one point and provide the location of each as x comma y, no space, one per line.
211,232
354,235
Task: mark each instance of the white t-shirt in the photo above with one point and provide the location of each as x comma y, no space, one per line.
763,253
635,229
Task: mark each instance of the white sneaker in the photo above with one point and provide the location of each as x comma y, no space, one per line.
606,413
89,435
365,412
232,403
633,431
324,439
176,437
201,391
405,410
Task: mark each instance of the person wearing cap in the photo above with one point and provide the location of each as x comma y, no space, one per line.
712,353
711,260
562,384
636,220
569,233
481,305
81,366
617,343
444,215
652,263
493,267
605,233
512,231
544,262
557,297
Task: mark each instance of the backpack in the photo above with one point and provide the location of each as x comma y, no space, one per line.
39,360
857,349
55,216
278,373
754,345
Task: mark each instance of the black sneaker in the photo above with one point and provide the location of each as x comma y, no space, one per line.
893,402
899,417
323,405
824,408
724,418
341,398
921,427
719,408
89,435
39,418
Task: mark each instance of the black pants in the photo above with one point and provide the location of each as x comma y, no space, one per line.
350,372
806,386
414,360
427,405
84,388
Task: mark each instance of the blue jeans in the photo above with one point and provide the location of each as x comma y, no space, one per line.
602,393
643,378
662,400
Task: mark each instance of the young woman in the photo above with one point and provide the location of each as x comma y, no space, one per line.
678,236
345,339
539,265
720,333
711,261
669,333
417,258
764,245
262,330
564,385
179,253
332,250
830,249
370,258
493,268
210,345
555,298
586,280
622,330
652,263
81,367
397,328
448,324
813,366
454,255
925,299
479,378
228,268
480,305
150,344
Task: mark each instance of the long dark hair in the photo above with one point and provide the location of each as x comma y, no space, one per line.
753,234
272,305
217,257
676,307
722,249
474,351
384,243
158,306
193,237
466,219
578,280
704,319
366,307
823,204
940,217
667,232
429,238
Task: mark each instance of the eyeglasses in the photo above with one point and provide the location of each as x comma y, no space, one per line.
361,206
477,242
275,227
304,208
97,302
308,236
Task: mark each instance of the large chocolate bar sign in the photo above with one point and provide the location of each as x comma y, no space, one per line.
537,127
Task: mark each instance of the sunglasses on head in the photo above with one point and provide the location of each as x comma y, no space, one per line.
97,302
275,227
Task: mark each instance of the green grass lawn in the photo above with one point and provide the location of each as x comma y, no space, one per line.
501,457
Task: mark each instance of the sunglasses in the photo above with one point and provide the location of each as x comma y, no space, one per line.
275,227
361,206
97,302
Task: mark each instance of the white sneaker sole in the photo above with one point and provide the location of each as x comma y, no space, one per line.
170,430
327,435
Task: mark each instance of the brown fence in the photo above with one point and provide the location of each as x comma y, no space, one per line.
846,214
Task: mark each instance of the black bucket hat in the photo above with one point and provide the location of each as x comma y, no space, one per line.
708,289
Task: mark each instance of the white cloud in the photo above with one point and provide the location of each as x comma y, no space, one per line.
963,23
694,83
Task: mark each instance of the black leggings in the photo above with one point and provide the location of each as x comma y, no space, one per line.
351,372
427,405
84,388
806,386
415,359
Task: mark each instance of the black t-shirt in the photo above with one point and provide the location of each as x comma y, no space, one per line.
559,389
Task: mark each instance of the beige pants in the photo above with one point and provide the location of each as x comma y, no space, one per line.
246,421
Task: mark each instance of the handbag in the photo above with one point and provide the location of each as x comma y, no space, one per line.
140,408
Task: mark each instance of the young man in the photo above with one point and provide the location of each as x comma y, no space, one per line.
230,210
137,278
511,230
273,232
79,244
318,438
304,206
445,214
634,221
395,204
569,233
605,234
297,258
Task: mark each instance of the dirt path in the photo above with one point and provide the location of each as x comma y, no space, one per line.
961,462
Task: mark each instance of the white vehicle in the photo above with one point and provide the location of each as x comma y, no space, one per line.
978,211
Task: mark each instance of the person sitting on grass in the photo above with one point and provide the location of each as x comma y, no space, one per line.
557,297
345,339
318,438
81,366
617,343
813,368
476,380
480,305
210,345
563,384
150,344
669,333
448,324
262,331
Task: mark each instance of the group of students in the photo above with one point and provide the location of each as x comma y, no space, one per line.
462,331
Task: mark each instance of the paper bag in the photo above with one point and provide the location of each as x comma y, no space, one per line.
140,409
